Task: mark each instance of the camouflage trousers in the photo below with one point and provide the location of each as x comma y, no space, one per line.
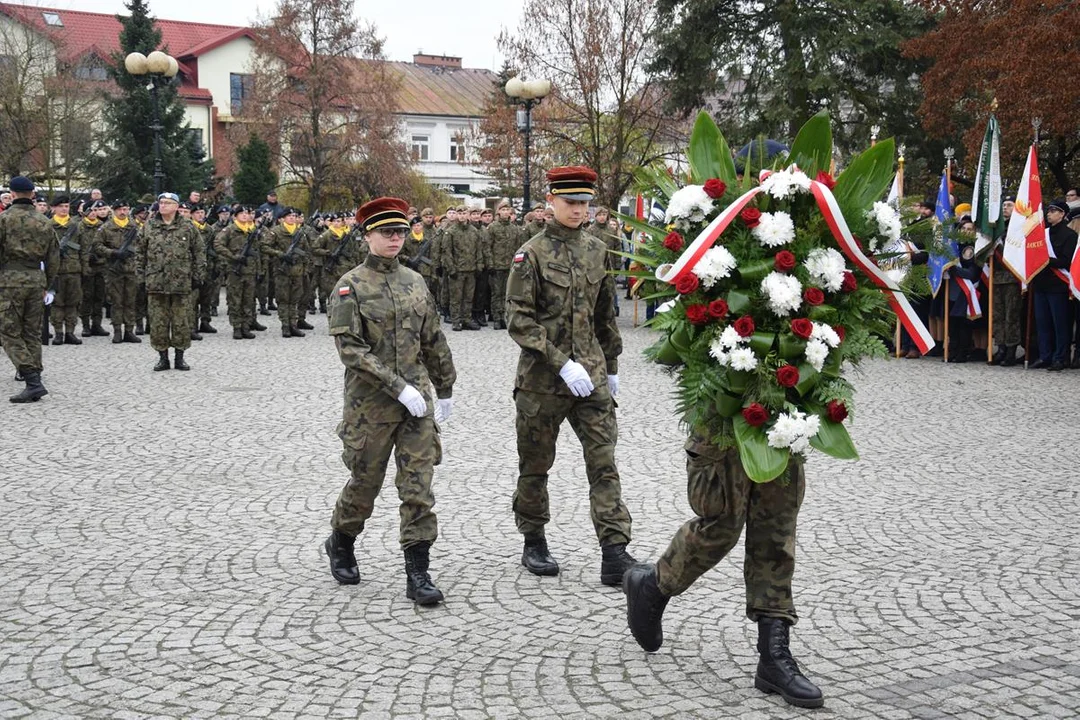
462,288
202,300
122,292
170,320
93,295
724,500
497,282
444,295
65,307
291,303
21,310
417,450
1008,313
240,298
593,421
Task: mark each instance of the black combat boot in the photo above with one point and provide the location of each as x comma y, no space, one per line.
322,307
96,330
206,327
1009,358
237,334
262,308
303,324
339,548
58,337
70,339
418,585
472,325
245,333
86,332
117,336
999,356
296,331
138,327
614,562
163,361
536,558
271,305
129,336
195,335
33,391
645,605
256,325
286,331
777,671
179,363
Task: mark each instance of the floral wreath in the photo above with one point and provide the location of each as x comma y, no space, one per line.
775,293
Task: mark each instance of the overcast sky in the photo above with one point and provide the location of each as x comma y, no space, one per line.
438,27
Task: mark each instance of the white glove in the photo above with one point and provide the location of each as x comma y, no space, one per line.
443,408
577,378
49,297
613,384
413,401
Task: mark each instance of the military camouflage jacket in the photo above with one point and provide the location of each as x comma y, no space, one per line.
460,249
71,259
561,306
171,256
534,228
84,238
109,238
504,237
276,242
610,242
352,253
386,327
229,245
27,240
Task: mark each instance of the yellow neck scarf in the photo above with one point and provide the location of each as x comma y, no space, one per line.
91,221
245,227
418,236
338,232
198,224
121,223
62,221
289,228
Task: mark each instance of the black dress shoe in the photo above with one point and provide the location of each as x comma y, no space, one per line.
537,559
1038,364
645,605
339,548
777,671
1056,366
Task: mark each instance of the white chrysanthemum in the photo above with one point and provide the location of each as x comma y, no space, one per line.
888,221
786,183
794,430
718,350
730,339
816,352
784,293
743,359
774,229
690,203
665,307
716,264
826,267
824,333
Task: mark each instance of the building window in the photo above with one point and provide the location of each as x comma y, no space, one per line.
240,87
52,19
420,146
197,141
91,69
457,149
460,189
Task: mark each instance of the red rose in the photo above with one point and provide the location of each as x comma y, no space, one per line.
697,314
755,415
784,261
826,179
687,284
744,326
718,309
788,376
813,296
849,283
715,188
674,242
840,332
751,216
836,410
802,328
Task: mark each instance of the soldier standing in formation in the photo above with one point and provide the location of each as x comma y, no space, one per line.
93,271
68,283
561,313
27,243
114,244
205,295
285,248
236,247
173,261
386,328
461,258
427,217
503,239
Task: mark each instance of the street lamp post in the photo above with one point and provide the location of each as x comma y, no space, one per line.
527,94
162,69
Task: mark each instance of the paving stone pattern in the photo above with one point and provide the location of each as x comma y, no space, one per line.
160,552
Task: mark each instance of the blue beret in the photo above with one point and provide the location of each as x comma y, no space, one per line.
21,184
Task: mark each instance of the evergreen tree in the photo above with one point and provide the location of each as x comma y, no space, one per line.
124,166
254,176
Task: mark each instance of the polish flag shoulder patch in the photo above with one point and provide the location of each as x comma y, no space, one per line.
342,292
519,257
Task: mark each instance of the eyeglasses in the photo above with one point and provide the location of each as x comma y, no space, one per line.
388,233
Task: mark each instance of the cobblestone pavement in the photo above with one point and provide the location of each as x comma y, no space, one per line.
160,552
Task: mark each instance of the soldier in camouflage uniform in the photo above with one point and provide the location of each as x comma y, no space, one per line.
599,230
386,329
93,271
172,258
204,296
427,270
286,248
68,282
115,243
236,245
441,259
503,239
560,312
26,241
481,293
461,258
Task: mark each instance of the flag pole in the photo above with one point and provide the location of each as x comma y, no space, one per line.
990,315
899,202
948,189
1035,123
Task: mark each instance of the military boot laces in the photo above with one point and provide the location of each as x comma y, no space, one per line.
614,562
418,585
645,605
777,671
339,548
163,361
537,559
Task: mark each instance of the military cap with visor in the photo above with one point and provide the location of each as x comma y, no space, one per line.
384,213
574,182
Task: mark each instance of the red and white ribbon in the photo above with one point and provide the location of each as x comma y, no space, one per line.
706,239
971,293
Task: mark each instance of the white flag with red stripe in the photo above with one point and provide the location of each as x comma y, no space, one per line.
1074,270
1025,251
